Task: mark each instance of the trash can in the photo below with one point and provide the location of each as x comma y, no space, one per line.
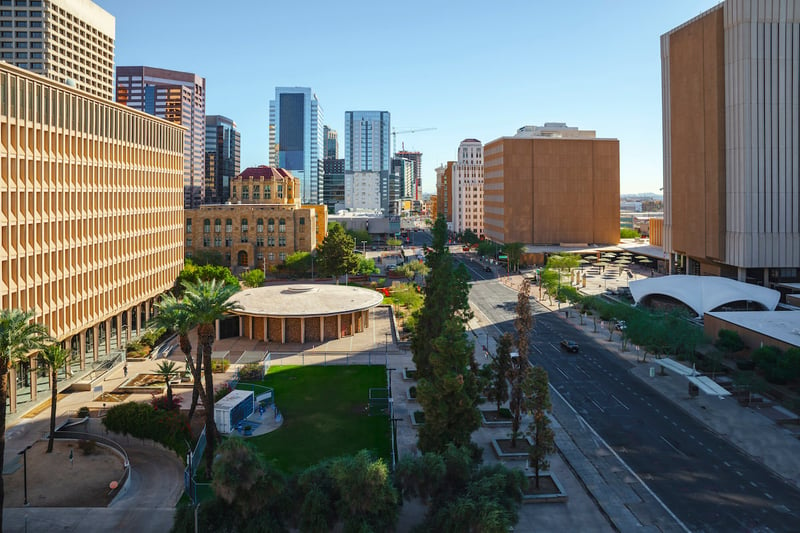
694,390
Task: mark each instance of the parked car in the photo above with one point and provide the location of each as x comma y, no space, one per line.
487,268
620,325
570,346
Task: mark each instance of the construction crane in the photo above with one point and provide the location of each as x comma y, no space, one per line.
416,130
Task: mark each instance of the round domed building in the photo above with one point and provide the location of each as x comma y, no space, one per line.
299,313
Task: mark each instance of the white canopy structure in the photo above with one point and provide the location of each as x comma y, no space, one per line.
704,293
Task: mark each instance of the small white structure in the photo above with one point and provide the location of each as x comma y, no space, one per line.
232,409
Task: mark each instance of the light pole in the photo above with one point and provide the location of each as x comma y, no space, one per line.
24,454
364,248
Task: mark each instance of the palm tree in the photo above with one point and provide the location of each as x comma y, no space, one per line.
166,369
54,357
174,316
207,302
18,338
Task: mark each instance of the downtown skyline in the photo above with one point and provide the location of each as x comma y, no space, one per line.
593,65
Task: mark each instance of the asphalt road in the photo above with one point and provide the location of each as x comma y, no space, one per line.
705,481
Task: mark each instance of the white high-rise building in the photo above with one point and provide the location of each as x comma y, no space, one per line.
362,191
367,150
70,41
467,188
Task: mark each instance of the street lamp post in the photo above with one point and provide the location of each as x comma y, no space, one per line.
24,454
364,248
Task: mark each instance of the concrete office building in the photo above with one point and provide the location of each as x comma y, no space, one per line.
296,139
444,181
179,97
92,231
416,158
551,189
731,94
367,152
69,41
333,197
223,149
362,191
331,140
263,224
467,193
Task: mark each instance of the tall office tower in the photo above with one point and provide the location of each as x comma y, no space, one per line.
731,94
553,188
179,97
468,188
444,192
416,157
296,129
331,140
404,170
367,148
70,41
333,197
91,219
223,146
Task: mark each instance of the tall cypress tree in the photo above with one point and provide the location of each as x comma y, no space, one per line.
446,295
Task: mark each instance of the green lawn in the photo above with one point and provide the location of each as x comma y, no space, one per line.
325,415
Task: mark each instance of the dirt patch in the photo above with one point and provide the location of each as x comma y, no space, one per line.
492,416
54,482
546,486
505,446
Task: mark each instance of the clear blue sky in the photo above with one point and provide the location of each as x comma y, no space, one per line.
469,69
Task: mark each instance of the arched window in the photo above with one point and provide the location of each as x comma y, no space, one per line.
282,225
271,224
260,225
217,225
228,225
206,226
244,224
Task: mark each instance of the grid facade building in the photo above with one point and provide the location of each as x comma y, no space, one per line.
179,97
416,158
69,41
296,139
551,190
223,149
467,188
731,130
90,218
331,139
367,152
334,185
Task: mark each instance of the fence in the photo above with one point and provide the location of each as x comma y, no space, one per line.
378,357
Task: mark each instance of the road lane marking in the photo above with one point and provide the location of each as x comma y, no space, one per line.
620,402
598,406
672,446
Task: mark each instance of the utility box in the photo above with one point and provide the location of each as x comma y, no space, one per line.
232,409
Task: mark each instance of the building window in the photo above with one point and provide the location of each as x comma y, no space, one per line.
245,192
282,256
244,238
271,225
282,240
228,242
189,243
282,225
245,226
280,191
228,225
267,192
256,192
271,256
188,225
270,241
260,257
260,225
217,242
302,221
206,242
206,226
259,241
217,225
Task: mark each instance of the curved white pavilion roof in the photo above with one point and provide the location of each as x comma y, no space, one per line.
299,300
704,293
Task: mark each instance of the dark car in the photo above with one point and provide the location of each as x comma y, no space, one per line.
570,346
487,269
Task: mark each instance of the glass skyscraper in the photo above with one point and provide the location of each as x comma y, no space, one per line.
296,139
223,146
367,147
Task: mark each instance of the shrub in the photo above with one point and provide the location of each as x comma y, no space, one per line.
220,365
251,372
170,428
160,402
767,360
221,392
88,447
729,341
83,412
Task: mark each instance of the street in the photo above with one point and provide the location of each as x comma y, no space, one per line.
705,481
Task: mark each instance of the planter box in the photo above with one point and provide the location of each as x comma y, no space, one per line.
505,422
555,494
409,374
414,421
522,446
409,397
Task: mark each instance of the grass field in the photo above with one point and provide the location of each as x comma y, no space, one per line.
325,415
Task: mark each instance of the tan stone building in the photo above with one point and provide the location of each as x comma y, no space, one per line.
731,91
262,225
91,209
552,189
444,191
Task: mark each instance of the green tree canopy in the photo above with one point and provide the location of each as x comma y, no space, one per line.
469,237
514,252
366,266
208,257
298,263
335,254
194,274
253,278
487,248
